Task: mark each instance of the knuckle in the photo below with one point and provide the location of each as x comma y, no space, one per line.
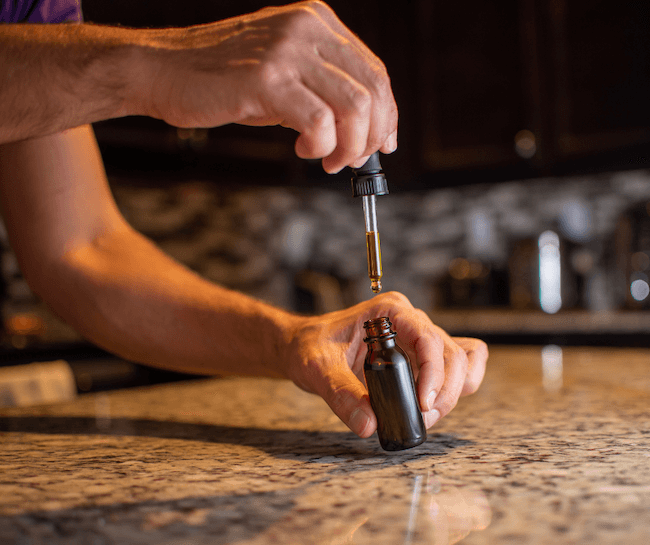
270,75
299,17
282,47
379,86
482,348
397,299
317,4
420,314
357,100
384,73
338,399
380,82
318,119
459,358
303,12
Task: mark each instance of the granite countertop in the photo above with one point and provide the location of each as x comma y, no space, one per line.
554,449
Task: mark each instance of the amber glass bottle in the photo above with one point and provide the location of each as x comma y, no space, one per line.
391,388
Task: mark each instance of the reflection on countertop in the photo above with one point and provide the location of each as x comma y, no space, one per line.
553,449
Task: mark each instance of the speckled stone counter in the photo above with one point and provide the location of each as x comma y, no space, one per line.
555,448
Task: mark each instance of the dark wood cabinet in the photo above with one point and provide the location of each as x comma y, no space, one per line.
539,82
601,74
473,91
515,87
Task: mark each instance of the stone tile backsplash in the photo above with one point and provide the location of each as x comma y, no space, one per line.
304,248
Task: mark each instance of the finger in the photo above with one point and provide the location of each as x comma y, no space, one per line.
330,110
383,120
351,55
442,364
304,111
431,376
360,162
456,364
348,399
477,355
391,143
365,109
349,79
425,344
351,104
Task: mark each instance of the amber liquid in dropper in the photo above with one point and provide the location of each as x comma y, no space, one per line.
374,260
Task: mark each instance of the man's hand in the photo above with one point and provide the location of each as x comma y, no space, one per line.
328,353
296,66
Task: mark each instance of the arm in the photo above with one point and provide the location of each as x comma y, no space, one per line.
120,291
60,76
296,65
113,285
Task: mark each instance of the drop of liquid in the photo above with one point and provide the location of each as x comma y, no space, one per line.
375,286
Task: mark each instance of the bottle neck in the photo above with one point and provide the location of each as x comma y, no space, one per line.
379,333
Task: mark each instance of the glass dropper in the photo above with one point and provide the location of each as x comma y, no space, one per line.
367,182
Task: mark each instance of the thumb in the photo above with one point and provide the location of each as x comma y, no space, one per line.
348,399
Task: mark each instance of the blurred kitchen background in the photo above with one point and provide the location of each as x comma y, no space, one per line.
519,207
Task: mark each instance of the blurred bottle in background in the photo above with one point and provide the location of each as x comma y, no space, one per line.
632,257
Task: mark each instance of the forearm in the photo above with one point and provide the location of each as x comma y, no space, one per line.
124,294
55,77
60,76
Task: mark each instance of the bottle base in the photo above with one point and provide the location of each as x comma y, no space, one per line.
394,445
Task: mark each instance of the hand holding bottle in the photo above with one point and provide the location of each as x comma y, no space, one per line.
328,352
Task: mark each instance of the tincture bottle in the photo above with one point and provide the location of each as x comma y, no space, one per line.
391,388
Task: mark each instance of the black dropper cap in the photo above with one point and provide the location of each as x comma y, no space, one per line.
369,179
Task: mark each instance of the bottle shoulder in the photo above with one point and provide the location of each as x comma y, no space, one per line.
386,355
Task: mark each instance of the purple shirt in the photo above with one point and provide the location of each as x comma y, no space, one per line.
40,11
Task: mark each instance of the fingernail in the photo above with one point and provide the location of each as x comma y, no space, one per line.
392,142
431,417
331,169
358,421
360,162
431,399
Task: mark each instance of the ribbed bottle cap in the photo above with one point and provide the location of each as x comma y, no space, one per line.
369,179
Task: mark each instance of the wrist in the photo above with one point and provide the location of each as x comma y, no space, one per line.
283,340
102,60
245,336
129,68
121,67
148,62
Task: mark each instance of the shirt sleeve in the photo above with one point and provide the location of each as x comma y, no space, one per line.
40,11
